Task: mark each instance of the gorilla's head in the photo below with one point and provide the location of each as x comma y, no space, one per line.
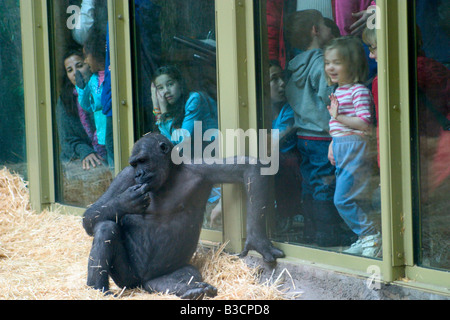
151,160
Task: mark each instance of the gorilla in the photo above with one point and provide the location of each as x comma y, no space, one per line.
146,226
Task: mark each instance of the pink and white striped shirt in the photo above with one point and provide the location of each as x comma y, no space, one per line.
355,100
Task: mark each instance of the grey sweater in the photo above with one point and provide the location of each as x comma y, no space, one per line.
74,142
308,93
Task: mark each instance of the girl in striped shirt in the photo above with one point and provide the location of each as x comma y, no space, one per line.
350,151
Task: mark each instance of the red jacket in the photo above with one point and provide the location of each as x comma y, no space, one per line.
277,50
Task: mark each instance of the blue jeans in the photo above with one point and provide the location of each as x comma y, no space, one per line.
353,183
317,172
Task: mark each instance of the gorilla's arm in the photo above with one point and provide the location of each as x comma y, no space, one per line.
259,202
259,205
123,196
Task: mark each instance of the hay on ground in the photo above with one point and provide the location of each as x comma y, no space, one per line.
44,256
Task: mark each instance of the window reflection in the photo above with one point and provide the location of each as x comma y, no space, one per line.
175,60
12,124
288,179
433,136
85,156
330,174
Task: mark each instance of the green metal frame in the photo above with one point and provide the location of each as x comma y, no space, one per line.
121,81
395,135
37,94
237,102
233,104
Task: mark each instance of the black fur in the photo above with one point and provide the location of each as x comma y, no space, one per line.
147,224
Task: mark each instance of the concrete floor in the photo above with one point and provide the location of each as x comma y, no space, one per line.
306,282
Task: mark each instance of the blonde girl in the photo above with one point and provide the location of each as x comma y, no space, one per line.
351,121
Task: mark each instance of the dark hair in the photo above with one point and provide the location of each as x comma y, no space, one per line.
95,45
274,63
177,112
299,25
67,87
335,31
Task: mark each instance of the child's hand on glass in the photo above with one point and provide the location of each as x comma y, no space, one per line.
81,79
159,102
333,108
156,109
93,160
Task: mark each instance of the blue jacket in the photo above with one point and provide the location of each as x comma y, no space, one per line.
199,107
89,99
284,121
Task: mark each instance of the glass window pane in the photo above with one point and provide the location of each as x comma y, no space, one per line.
432,135
12,123
175,63
327,187
82,113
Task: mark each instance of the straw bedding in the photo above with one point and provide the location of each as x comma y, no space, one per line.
44,256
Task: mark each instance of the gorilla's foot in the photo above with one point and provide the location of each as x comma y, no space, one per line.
185,282
199,290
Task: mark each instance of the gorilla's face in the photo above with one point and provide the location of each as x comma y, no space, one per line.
151,160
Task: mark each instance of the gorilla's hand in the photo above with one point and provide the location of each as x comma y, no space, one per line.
263,246
134,200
